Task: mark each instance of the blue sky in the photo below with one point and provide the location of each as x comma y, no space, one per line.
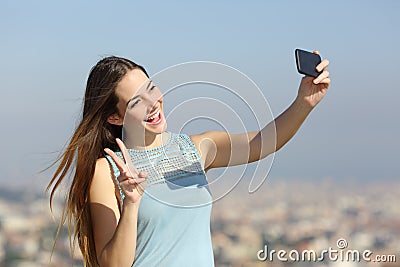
48,48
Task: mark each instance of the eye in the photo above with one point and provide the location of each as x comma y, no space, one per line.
152,87
134,104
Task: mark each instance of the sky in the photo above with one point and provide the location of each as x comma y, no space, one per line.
48,48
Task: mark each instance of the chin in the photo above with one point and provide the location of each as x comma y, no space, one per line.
158,130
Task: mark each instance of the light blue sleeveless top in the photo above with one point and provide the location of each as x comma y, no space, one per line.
174,213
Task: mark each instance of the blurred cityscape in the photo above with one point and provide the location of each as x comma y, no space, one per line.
282,215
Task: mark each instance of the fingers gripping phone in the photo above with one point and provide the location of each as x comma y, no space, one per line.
307,62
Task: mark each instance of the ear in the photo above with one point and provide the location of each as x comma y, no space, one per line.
115,119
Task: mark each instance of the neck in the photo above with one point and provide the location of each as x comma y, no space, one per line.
146,140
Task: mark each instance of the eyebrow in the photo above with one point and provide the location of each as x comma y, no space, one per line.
147,88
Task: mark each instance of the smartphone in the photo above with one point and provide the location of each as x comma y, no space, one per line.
307,62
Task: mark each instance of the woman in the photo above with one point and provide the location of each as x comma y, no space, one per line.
116,222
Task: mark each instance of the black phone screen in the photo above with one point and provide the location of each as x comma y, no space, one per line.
307,62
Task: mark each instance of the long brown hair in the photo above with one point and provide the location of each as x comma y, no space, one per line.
92,135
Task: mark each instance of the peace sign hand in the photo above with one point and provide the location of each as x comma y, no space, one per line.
131,181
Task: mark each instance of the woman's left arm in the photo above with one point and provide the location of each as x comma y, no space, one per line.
222,149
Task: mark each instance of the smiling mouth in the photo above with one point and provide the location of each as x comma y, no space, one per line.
155,119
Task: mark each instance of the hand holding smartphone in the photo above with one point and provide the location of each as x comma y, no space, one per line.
307,62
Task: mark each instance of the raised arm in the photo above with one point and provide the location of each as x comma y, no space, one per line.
115,233
222,149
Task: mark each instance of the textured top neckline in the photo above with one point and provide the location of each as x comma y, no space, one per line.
154,148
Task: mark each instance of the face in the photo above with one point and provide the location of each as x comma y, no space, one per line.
141,104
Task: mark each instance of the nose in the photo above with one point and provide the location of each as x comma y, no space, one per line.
152,99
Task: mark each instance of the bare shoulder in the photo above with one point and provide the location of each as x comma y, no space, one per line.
204,143
197,140
102,165
103,171
104,208
208,139
102,188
